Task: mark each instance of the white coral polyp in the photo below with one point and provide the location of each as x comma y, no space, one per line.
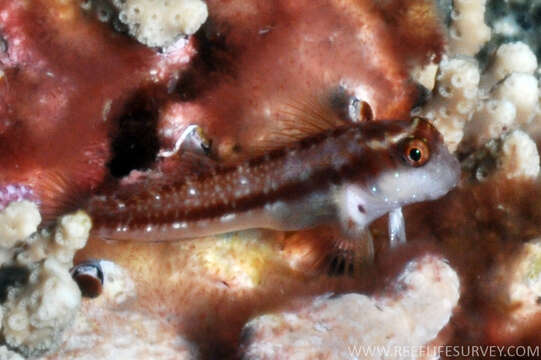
455,98
492,119
510,58
18,221
519,156
73,230
522,90
468,31
159,23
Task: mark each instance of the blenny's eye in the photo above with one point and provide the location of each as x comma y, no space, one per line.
416,152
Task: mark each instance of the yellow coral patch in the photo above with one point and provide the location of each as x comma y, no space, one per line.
238,259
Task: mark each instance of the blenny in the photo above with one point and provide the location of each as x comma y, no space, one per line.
351,175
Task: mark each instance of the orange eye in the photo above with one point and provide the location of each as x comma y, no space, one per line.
416,152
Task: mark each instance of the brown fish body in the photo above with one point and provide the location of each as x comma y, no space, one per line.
332,176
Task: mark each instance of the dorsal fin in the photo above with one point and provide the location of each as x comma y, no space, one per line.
63,189
299,119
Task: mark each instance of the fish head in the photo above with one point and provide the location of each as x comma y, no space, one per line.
403,162
421,168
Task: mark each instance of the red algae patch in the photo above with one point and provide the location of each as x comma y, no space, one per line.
258,59
65,78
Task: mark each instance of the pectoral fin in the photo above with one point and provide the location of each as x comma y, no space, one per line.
327,250
349,256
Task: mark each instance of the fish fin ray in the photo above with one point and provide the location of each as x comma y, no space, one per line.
327,251
349,256
64,189
299,119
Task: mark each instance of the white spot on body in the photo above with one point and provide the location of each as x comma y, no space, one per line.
227,217
179,225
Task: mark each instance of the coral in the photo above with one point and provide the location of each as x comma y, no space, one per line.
334,327
468,32
18,221
521,90
509,104
512,292
509,58
514,20
519,156
7,354
109,328
521,275
160,23
478,109
490,121
41,298
455,98
109,335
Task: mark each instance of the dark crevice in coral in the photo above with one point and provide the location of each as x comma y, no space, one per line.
345,104
214,59
10,277
525,15
135,143
445,7
422,96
